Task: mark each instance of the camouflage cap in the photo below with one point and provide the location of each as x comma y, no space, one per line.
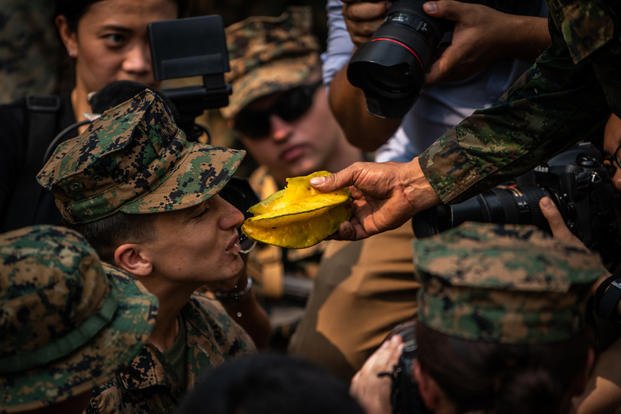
503,283
67,320
134,159
270,54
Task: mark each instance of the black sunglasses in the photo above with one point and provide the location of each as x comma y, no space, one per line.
612,162
289,106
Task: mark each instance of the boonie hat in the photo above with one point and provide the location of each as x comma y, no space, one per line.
134,159
270,54
67,320
503,283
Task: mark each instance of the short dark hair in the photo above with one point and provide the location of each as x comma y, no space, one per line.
274,384
73,10
106,234
502,378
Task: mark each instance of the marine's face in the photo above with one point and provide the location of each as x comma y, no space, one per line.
111,41
199,244
297,147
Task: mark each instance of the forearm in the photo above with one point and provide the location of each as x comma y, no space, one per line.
555,104
348,105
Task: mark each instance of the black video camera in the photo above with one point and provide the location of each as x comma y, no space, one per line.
390,69
577,182
183,48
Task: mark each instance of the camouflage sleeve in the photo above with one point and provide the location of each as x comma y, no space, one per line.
565,97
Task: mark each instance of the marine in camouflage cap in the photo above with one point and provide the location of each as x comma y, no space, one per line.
503,283
134,159
67,320
270,54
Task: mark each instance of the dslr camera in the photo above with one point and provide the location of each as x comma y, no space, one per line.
578,183
390,69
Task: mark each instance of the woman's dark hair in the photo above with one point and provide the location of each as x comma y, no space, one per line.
73,10
502,378
269,384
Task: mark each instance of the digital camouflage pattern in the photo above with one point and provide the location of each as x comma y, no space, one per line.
67,320
30,49
503,283
270,54
148,384
565,97
134,159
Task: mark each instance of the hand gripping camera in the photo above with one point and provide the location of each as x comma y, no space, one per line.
577,182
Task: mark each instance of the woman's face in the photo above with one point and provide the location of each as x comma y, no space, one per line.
111,41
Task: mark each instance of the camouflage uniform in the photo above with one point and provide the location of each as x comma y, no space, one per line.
67,320
503,283
135,160
569,92
30,50
149,385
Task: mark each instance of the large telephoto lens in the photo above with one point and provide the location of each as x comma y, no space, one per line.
390,69
498,205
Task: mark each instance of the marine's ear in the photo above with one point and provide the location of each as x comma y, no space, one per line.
132,258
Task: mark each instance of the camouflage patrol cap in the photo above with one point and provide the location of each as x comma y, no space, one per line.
503,283
134,159
270,54
67,320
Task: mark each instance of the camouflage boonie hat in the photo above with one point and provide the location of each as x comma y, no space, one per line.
270,54
67,320
503,283
134,159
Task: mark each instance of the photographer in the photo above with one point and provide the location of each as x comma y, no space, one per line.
501,325
106,41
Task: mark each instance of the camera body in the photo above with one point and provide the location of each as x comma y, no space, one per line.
578,183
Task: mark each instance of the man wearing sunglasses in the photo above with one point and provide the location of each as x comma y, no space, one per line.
279,110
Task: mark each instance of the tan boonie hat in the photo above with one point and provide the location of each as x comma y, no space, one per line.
134,159
270,54
67,320
503,283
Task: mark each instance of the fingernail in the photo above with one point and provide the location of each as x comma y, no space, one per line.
430,7
318,180
545,202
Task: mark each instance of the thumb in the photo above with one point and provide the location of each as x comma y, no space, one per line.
333,182
448,9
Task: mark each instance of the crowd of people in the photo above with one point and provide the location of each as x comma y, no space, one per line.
125,282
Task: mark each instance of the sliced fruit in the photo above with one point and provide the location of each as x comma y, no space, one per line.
298,216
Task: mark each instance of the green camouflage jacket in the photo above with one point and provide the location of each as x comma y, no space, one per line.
148,386
566,96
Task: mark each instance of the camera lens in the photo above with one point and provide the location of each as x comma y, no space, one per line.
390,69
